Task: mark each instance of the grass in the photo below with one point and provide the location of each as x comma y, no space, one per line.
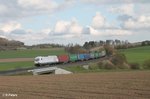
80,69
30,53
75,69
15,65
139,54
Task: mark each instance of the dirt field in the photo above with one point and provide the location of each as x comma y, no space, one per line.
16,59
106,85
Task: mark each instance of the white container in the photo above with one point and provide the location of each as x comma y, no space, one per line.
103,53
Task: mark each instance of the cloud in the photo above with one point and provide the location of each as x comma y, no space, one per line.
98,21
143,9
61,27
29,36
124,17
68,27
3,8
139,23
10,26
37,4
126,9
98,2
109,32
128,15
133,17
14,9
63,30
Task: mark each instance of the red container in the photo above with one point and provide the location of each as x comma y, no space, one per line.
63,58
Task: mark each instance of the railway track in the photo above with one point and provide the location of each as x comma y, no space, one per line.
25,70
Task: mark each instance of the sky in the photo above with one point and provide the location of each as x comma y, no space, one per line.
74,21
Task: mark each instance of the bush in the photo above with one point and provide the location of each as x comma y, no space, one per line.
109,65
119,59
134,66
106,65
123,66
146,64
93,67
101,64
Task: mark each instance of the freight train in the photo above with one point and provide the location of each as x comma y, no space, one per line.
58,59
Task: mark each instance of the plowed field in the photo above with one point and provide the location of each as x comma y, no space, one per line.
106,85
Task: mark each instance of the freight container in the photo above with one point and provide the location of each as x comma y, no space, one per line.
103,53
92,55
81,57
45,60
86,56
97,55
73,57
63,58
100,54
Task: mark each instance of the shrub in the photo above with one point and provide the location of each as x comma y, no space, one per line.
93,67
119,59
116,61
106,65
123,66
109,65
101,64
146,64
134,66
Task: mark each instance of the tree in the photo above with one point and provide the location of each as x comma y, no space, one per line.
74,49
109,50
101,43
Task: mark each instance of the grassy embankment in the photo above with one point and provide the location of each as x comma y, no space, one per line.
29,53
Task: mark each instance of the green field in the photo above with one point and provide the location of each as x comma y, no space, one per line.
139,54
15,65
31,53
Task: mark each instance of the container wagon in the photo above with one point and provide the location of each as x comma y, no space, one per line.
81,57
73,57
63,58
103,53
92,55
86,56
97,55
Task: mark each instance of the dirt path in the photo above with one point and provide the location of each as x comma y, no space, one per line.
16,59
106,85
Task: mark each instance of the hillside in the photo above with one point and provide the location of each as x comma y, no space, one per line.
6,44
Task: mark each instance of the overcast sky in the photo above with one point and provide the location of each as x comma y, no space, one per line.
74,21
